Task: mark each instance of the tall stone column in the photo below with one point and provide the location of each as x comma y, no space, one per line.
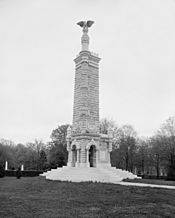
86,88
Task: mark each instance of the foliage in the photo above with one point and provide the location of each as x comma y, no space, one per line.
24,173
124,148
146,156
16,155
142,156
57,154
18,173
167,136
42,160
2,171
58,135
105,124
6,153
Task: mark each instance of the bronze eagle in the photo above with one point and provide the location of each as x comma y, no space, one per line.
85,24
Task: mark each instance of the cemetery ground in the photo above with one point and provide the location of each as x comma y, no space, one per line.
38,197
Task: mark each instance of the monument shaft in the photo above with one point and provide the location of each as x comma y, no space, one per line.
86,94
85,145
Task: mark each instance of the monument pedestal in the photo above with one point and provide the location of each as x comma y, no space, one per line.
89,150
89,174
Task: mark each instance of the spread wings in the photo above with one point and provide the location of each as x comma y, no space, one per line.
84,23
89,23
81,23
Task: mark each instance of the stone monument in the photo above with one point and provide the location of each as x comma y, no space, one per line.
88,150
6,165
86,146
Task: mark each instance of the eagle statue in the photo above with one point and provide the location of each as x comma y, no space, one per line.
85,24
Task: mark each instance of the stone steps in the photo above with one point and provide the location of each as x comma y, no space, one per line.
82,174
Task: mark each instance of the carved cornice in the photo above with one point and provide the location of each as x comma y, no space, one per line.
87,57
85,136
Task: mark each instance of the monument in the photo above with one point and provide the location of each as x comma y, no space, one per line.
86,146
6,165
88,149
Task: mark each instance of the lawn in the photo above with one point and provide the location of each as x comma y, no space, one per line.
151,181
37,197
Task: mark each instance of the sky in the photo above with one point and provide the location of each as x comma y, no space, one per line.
39,40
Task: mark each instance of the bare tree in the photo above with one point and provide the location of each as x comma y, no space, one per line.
167,136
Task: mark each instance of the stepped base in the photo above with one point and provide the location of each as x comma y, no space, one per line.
91,174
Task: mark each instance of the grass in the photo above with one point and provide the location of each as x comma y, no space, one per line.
151,181
37,197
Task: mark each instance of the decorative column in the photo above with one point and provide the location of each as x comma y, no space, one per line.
78,157
110,135
97,152
87,157
69,163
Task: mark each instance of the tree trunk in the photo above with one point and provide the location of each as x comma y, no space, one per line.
157,166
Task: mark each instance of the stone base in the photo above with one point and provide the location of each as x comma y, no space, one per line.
103,165
79,164
93,174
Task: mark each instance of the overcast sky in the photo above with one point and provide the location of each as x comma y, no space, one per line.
39,40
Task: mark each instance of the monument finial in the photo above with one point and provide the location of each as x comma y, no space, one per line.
85,25
85,38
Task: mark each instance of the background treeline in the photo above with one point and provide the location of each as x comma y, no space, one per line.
144,156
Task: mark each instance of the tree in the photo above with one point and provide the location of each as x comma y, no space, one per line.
2,171
57,154
34,150
124,146
29,155
43,160
128,145
106,124
6,152
167,136
156,153
58,135
142,155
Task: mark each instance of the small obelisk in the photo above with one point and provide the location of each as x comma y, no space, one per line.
22,167
6,165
